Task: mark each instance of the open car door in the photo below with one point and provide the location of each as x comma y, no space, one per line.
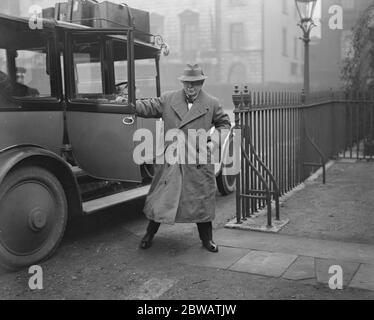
100,128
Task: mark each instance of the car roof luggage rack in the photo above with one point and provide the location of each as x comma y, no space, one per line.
104,15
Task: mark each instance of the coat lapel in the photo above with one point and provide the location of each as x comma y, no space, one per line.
198,110
179,105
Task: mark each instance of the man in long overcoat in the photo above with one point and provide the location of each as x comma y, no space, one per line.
184,192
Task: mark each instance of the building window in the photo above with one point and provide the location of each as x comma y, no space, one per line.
189,33
296,44
189,39
285,6
237,74
236,36
284,42
294,68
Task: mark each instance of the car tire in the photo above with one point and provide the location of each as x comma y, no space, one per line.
226,183
33,216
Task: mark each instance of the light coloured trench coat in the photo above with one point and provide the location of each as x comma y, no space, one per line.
183,193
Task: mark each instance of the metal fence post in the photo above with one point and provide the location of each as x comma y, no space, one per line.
237,100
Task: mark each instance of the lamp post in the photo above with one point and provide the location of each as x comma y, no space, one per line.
306,8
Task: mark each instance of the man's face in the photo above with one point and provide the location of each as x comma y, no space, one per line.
192,89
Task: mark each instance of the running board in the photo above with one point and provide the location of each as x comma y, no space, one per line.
93,206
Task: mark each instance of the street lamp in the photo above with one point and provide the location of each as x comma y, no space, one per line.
306,8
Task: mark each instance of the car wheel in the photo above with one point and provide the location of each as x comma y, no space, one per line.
33,216
226,183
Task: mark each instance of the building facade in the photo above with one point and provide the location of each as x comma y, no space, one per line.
238,41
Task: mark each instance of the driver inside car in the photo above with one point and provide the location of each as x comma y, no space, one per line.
122,92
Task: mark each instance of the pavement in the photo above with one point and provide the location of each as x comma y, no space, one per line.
289,257
342,211
100,258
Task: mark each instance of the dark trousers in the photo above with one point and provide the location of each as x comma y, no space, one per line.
205,229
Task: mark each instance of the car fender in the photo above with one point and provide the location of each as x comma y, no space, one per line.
36,155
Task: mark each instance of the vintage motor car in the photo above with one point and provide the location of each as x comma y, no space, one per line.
66,140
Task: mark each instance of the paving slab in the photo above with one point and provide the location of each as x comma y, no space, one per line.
325,249
323,266
270,264
302,269
199,256
364,278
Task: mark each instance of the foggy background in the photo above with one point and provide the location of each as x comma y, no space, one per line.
252,42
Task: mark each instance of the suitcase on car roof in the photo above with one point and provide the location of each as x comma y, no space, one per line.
111,15
61,11
76,11
81,11
48,13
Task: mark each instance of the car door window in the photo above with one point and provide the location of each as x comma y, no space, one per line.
145,77
88,75
92,65
88,82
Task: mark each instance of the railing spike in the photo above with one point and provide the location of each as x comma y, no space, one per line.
246,97
236,97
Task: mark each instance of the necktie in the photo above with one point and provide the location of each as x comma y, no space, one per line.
190,99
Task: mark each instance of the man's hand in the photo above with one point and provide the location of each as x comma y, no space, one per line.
122,99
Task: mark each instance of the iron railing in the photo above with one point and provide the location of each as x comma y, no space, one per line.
287,137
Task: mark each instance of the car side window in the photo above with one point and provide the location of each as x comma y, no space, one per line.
26,67
32,76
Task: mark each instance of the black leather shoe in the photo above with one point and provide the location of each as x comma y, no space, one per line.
210,246
146,242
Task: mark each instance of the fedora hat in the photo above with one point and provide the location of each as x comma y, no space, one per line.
193,73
